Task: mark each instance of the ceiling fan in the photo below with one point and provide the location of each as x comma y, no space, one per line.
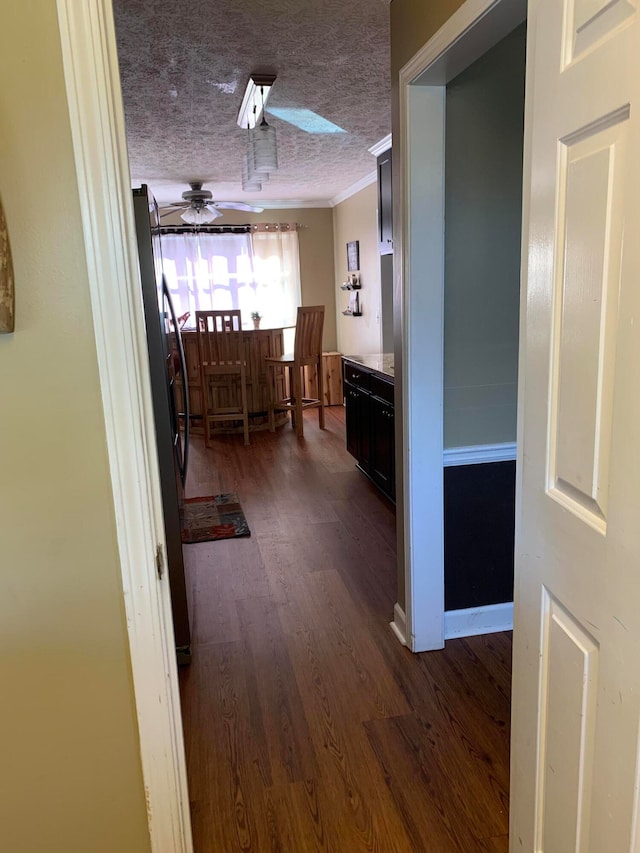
200,208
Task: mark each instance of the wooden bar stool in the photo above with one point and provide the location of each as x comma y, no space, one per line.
222,354
307,350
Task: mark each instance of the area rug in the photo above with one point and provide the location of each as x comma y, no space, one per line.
213,517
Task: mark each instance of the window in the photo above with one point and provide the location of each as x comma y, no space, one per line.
258,271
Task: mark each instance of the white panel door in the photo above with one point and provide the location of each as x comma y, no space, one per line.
576,688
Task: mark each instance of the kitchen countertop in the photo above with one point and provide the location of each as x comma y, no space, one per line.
380,362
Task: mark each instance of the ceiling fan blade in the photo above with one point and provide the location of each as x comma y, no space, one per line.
166,209
212,209
238,205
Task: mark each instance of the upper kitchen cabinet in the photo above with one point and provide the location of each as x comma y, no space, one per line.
385,204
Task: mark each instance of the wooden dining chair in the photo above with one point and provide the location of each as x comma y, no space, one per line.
221,352
307,350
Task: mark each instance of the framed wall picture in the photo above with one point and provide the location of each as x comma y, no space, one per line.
353,256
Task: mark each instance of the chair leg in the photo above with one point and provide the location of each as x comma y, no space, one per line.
272,397
245,405
297,384
204,384
320,369
290,393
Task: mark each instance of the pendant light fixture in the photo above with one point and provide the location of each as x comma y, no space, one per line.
262,177
264,146
250,183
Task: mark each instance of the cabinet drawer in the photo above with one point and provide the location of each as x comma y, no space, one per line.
357,377
382,389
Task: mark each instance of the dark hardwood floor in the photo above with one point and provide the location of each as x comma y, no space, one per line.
307,725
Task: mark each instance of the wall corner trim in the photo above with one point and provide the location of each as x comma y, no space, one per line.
471,621
381,146
399,624
478,454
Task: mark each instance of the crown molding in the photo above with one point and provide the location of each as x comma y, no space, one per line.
355,188
380,147
289,204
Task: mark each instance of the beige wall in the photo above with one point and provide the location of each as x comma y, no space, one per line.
316,255
413,22
70,768
357,219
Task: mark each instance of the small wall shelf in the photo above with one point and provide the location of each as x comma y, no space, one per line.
352,284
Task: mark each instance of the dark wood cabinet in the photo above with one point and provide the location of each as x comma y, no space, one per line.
385,204
370,425
358,418
382,445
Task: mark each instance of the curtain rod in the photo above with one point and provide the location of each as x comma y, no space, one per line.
260,227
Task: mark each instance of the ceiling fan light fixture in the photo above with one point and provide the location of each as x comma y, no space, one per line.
199,216
255,97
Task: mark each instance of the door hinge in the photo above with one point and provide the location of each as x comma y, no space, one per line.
160,561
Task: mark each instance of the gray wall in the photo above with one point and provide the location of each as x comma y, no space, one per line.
483,202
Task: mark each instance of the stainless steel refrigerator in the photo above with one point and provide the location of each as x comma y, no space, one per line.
166,363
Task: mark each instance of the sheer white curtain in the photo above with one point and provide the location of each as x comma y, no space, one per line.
251,272
276,261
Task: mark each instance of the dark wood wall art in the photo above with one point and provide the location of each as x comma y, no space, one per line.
7,297
353,256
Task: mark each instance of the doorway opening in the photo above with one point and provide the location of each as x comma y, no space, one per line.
462,110
102,189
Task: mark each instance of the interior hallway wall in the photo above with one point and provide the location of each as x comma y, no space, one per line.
71,775
413,23
356,218
483,216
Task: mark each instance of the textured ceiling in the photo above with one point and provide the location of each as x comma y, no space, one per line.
184,68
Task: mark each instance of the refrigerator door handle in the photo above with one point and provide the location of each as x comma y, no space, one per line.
184,462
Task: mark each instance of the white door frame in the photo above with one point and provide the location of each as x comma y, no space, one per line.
419,287
92,81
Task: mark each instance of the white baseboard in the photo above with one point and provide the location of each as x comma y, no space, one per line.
399,624
479,453
471,621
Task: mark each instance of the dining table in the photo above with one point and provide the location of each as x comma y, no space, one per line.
259,344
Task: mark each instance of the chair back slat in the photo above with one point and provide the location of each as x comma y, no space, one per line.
220,338
308,339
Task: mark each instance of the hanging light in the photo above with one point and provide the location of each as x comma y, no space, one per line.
261,177
250,183
264,146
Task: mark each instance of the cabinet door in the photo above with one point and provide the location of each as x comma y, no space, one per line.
364,425
385,204
358,425
382,445
351,419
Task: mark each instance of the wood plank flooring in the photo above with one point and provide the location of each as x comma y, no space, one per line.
307,726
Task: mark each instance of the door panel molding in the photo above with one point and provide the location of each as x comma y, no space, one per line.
569,658
588,240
